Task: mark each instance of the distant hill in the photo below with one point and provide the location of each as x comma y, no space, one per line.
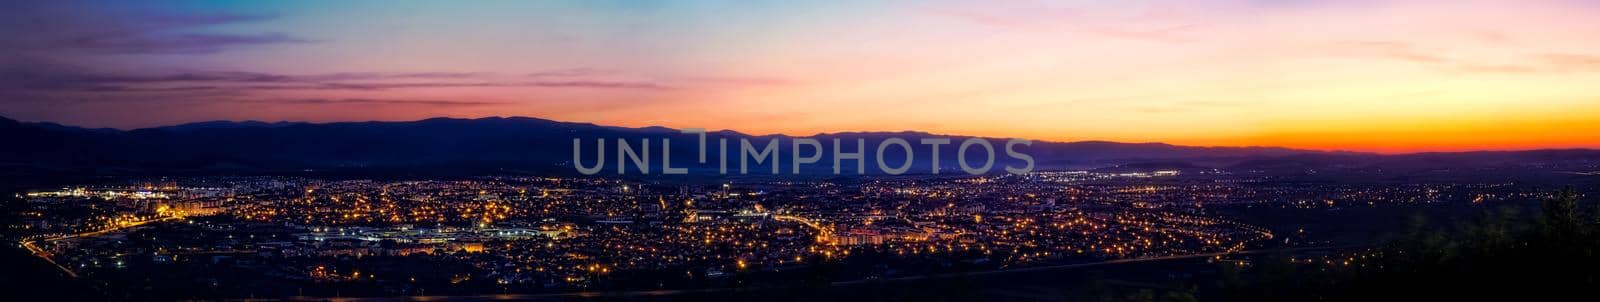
487,145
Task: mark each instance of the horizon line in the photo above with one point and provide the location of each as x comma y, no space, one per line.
810,135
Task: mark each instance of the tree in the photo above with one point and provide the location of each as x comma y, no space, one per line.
1560,220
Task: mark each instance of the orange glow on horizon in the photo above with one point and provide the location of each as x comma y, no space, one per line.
1378,76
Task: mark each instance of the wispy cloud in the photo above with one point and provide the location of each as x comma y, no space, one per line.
739,80
168,44
64,29
67,78
382,102
1188,106
405,85
1572,62
571,72
1158,23
1384,49
1530,64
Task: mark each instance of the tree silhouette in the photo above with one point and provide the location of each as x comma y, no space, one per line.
1500,255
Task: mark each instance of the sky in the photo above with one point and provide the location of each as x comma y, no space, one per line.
1377,76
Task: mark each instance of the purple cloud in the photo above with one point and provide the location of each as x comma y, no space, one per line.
70,28
65,78
169,44
439,103
571,72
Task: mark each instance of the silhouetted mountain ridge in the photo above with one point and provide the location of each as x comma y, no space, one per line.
541,145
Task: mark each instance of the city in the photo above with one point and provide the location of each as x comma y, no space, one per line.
284,236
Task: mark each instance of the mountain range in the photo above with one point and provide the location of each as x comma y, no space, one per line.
522,144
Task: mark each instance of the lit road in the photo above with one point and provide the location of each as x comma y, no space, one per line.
46,255
824,231
108,230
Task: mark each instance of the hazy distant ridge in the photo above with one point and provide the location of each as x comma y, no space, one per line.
531,144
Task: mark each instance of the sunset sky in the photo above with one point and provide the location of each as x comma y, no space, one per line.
1383,76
